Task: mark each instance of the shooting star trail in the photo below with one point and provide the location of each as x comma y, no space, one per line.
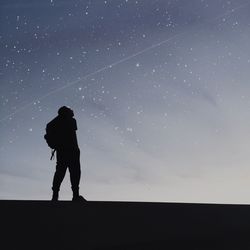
227,13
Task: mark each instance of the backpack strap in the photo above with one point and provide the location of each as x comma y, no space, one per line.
52,154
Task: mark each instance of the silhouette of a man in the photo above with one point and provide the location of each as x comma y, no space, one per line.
67,152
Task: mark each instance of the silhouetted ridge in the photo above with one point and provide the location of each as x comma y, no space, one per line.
123,225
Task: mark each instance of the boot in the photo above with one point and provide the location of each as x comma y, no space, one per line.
77,197
55,196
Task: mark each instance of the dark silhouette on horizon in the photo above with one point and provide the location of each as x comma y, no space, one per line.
61,138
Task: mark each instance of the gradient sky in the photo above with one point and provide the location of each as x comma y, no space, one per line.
160,91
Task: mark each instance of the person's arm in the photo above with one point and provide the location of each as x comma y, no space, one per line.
75,136
74,124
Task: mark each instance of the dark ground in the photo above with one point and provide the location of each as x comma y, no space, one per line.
123,225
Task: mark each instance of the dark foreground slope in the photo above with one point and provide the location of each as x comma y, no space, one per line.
123,225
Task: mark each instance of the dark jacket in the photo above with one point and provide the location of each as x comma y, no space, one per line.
64,128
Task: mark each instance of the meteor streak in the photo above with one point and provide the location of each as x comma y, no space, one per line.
85,77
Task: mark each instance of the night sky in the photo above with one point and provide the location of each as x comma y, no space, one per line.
160,90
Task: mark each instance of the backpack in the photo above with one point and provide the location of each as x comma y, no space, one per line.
51,137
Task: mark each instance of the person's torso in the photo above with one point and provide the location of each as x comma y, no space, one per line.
66,132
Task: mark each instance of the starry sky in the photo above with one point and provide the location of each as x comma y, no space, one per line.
159,88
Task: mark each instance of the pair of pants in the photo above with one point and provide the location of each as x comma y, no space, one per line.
67,158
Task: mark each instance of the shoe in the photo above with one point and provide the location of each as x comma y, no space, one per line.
79,198
54,197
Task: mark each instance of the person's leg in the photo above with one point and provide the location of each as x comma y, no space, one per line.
75,172
61,167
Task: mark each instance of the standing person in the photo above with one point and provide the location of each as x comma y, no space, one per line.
61,137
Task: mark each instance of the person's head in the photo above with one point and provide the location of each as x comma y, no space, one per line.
65,112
